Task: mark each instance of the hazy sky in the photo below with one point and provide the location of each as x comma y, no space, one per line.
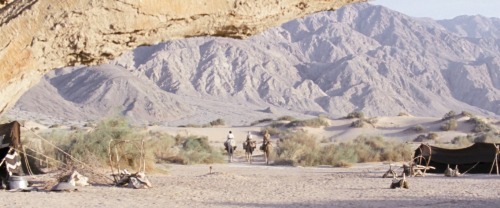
443,9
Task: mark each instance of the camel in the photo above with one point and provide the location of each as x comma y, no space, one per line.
249,147
230,148
266,148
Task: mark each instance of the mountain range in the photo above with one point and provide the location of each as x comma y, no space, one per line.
358,58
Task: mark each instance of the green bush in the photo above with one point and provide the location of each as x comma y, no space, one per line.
418,128
358,123
197,150
93,147
218,122
479,125
462,141
429,137
450,125
315,122
286,118
467,114
449,116
298,148
271,130
261,121
488,138
302,149
356,114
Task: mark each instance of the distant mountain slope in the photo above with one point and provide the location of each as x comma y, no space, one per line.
360,57
473,26
107,90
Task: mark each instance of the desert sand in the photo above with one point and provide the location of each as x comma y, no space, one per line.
240,184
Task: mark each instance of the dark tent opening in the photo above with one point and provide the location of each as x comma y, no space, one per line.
477,158
11,153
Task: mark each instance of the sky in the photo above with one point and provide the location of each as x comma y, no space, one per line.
442,9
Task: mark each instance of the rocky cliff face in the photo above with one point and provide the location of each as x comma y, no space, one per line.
38,36
360,57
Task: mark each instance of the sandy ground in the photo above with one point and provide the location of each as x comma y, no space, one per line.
240,184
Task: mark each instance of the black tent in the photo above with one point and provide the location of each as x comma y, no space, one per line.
12,155
477,158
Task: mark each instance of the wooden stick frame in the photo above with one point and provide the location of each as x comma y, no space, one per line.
113,152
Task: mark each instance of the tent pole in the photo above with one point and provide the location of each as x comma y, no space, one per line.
429,160
496,162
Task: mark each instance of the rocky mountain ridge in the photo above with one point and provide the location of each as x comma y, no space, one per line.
358,58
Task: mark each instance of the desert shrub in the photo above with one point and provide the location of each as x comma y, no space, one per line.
191,126
298,148
89,124
92,147
271,130
449,116
366,149
429,137
358,123
433,136
466,113
315,122
162,146
356,114
276,124
261,121
479,125
449,125
325,140
372,120
418,128
339,155
54,126
302,149
462,141
286,118
197,150
217,122
403,114
489,137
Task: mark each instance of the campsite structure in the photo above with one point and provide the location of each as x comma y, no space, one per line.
477,158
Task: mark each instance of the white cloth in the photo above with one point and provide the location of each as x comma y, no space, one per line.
230,136
231,142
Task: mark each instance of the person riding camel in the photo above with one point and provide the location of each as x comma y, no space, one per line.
265,140
230,140
249,137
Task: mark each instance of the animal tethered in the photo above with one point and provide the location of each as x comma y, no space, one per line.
230,147
266,148
249,147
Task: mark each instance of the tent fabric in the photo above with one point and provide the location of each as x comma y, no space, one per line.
478,157
10,138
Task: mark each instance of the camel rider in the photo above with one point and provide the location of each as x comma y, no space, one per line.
265,140
230,140
249,137
248,141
